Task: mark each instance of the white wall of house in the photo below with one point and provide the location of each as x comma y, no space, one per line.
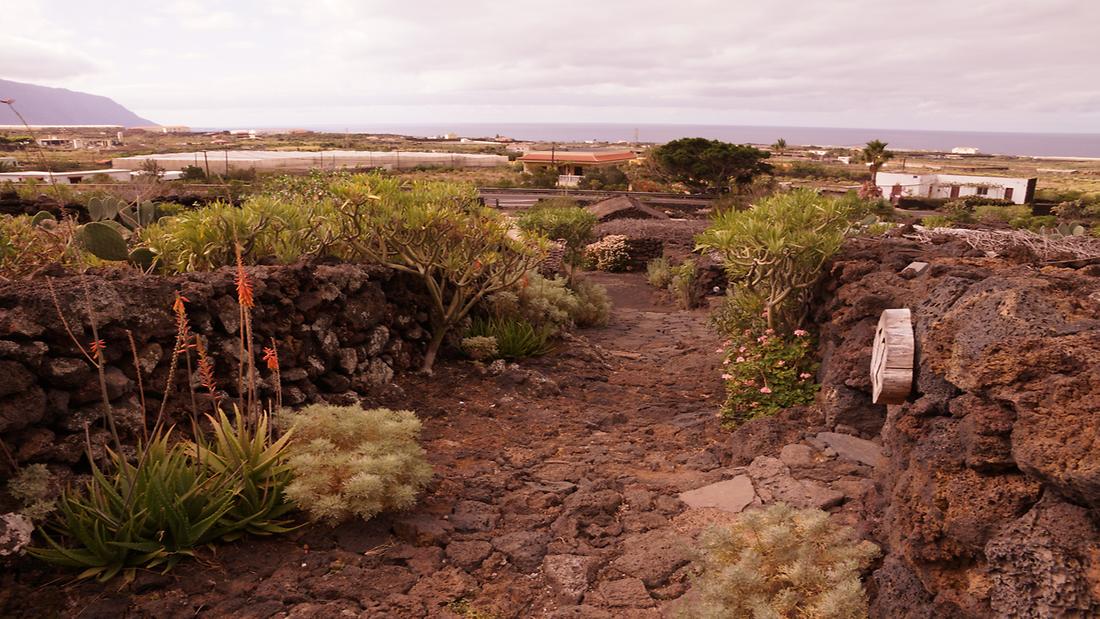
942,186
65,178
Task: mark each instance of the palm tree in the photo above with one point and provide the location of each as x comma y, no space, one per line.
874,155
779,146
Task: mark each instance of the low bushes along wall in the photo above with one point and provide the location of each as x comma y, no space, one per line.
340,330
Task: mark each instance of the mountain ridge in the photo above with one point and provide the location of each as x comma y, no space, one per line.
46,105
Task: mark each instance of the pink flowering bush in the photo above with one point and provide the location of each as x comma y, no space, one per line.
766,372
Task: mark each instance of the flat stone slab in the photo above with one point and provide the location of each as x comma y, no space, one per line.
915,268
852,447
731,495
774,484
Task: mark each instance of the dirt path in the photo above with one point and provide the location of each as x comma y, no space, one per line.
555,495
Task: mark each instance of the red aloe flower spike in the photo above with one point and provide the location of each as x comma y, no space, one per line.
271,357
97,347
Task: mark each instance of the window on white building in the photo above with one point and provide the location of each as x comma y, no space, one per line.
983,191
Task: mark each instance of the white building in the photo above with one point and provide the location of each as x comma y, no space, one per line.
947,186
66,178
219,161
965,150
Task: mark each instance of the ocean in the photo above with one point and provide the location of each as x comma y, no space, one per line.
1032,144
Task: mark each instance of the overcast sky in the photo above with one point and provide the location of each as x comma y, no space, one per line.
998,65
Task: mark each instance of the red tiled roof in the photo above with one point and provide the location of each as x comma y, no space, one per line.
567,156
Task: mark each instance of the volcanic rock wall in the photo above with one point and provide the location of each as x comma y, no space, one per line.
990,484
341,331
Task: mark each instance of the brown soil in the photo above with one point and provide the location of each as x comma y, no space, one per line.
561,468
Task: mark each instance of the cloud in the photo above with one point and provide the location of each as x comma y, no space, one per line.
27,59
998,63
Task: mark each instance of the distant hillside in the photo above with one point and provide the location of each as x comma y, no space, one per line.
42,105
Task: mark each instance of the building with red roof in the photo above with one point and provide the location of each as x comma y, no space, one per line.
571,164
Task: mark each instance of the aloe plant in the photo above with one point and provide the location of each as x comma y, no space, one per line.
150,514
244,450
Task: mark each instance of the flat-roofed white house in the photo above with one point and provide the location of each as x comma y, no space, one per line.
65,178
948,186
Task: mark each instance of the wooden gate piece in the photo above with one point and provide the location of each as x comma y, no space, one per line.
892,357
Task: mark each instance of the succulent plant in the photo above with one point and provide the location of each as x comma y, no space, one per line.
1069,229
103,241
139,215
102,208
42,216
143,257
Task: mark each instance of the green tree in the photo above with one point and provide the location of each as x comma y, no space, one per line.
779,146
610,177
561,218
709,165
541,177
874,154
460,250
774,252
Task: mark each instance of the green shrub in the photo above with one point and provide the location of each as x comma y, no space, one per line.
959,211
608,254
990,214
658,273
541,178
515,338
35,487
480,348
284,229
1033,223
26,248
766,372
561,219
593,304
607,178
682,285
782,562
438,232
552,303
543,302
192,173
350,462
778,248
936,221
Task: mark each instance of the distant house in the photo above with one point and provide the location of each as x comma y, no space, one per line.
163,129
65,178
965,150
899,184
571,164
76,143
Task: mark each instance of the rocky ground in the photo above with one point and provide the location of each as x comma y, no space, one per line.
567,486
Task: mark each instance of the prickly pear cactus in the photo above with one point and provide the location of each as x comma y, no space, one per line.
103,241
143,257
42,216
146,213
102,208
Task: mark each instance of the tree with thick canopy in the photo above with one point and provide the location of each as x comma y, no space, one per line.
709,165
460,250
874,154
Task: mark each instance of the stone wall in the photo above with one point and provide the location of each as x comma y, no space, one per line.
990,484
341,331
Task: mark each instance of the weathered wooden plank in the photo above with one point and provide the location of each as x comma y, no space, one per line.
892,357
